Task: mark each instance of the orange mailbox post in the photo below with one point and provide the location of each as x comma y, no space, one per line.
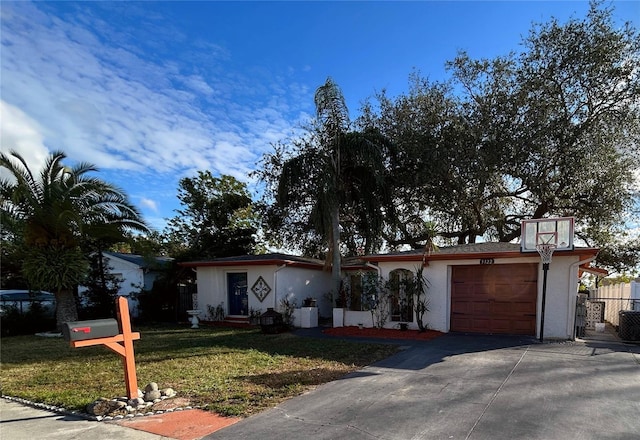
79,335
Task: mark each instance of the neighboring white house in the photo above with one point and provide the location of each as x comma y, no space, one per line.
474,288
135,272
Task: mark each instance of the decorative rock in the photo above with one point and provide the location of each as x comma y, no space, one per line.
169,392
136,402
157,400
103,407
151,395
152,386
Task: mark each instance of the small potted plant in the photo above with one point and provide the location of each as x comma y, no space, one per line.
254,316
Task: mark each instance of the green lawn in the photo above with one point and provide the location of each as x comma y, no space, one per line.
230,371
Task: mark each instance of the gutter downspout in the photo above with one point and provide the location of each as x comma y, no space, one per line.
571,327
377,268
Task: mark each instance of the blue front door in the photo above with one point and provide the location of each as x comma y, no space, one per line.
237,293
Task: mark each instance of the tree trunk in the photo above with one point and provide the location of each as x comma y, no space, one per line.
66,309
336,258
103,281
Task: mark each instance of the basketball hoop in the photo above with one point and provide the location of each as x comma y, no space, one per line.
546,252
546,235
545,248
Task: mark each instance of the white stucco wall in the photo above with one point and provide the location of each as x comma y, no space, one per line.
299,283
210,290
212,286
562,286
284,281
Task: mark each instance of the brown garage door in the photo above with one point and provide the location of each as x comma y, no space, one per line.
498,298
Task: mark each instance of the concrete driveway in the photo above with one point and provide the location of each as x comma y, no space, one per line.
470,387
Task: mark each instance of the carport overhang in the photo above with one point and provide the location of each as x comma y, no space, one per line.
597,271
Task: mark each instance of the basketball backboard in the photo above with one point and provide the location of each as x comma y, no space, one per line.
556,231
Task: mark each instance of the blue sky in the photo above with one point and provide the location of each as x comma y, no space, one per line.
151,92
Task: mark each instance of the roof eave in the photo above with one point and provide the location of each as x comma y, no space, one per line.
271,262
583,253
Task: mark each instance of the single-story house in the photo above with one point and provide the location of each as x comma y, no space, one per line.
135,272
476,288
251,284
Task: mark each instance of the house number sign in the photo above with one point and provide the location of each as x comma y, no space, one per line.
260,289
486,261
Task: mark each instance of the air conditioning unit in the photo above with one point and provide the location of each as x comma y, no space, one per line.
629,329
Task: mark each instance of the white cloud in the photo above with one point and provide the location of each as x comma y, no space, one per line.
97,93
149,204
198,84
20,133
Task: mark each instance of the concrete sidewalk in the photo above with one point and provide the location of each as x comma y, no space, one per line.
20,422
470,387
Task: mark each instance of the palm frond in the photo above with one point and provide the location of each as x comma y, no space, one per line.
331,107
65,201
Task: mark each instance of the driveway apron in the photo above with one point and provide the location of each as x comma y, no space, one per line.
469,387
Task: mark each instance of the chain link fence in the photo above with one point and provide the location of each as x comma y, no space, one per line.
621,313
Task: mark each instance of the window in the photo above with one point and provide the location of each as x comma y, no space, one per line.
400,303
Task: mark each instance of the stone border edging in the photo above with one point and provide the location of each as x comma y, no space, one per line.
89,417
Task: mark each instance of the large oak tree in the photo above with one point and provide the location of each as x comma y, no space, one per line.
552,130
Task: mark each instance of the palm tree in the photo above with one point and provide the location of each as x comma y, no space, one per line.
57,213
319,166
333,116
333,173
